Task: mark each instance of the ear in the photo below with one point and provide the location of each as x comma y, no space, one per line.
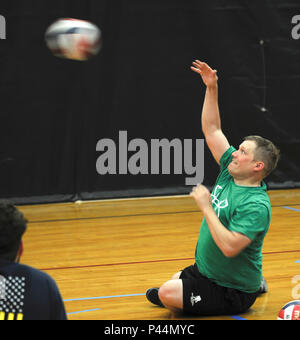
259,166
20,252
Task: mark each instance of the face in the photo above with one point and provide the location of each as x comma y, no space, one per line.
243,164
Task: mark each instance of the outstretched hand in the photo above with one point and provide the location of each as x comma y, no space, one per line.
209,76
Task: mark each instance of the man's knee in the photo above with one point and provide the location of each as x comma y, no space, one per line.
165,291
170,294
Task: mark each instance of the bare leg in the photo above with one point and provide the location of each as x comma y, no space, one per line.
170,294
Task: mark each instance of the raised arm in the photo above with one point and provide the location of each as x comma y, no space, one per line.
211,122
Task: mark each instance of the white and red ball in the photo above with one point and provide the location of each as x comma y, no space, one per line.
74,39
291,311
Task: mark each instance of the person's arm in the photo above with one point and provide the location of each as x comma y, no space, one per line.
57,307
211,121
229,242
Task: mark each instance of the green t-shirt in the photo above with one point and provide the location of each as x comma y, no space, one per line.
246,210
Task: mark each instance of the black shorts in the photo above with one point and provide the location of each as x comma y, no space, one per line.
202,296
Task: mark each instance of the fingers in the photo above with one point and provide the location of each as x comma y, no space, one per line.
196,70
202,196
197,189
200,189
197,66
200,66
201,63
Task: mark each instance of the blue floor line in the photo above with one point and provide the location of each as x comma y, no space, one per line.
104,297
84,311
237,317
290,208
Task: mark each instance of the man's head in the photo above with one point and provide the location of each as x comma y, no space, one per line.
12,227
256,158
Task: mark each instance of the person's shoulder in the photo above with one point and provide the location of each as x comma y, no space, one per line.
256,200
26,270
224,175
227,157
259,195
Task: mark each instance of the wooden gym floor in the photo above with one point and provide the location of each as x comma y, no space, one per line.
104,255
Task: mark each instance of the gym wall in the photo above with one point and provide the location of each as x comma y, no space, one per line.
54,111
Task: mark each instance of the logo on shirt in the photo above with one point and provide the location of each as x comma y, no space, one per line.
216,202
12,298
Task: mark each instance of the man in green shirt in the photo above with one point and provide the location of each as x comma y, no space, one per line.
227,275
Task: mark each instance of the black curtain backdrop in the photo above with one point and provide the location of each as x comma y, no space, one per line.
54,111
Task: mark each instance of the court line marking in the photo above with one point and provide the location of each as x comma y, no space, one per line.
115,216
104,297
153,261
120,264
290,208
136,215
134,198
84,311
236,317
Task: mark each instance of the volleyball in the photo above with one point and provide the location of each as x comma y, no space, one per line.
73,39
291,311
